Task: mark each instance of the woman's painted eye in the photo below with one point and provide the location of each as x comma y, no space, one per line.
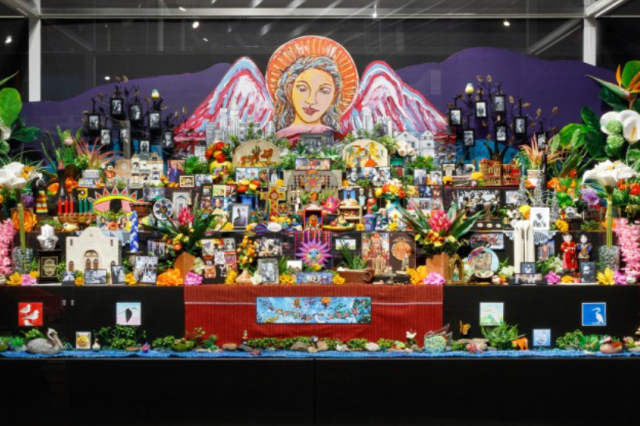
325,91
301,88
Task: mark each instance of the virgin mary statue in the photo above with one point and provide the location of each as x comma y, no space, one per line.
313,82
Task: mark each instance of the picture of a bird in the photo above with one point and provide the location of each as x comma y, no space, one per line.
33,316
599,316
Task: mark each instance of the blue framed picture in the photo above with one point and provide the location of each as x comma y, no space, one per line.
541,337
594,314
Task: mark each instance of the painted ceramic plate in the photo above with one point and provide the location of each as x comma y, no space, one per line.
163,209
483,260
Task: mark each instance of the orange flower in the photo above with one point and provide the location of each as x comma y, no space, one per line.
70,184
113,226
29,220
170,278
553,183
177,246
53,188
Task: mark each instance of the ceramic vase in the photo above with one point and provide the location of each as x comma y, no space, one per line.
22,259
609,257
244,278
438,264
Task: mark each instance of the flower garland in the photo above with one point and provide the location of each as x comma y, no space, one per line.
628,236
7,233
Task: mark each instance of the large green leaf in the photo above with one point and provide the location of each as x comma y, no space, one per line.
26,134
10,105
611,99
595,145
590,118
566,133
617,90
630,70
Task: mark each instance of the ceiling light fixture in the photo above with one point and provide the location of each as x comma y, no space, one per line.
195,24
8,40
205,39
506,23
182,9
106,77
375,11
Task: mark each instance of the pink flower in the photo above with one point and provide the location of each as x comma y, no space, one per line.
619,278
628,236
193,279
28,280
552,278
439,221
185,218
434,278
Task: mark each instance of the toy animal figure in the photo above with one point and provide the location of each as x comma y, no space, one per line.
49,346
521,343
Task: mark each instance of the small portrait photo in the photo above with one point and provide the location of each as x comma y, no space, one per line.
469,137
135,112
116,107
435,178
95,276
511,198
153,193
145,269
239,215
455,117
294,266
539,217
499,103
268,270
94,122
481,109
105,137
176,169
588,272
541,337
425,191
312,143
419,177
144,146
527,267
167,139
541,137
157,248
528,279
124,136
187,181
546,250
520,126
501,133
69,278
381,176
269,247
117,274
154,120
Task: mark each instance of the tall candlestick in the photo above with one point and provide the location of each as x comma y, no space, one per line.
59,205
72,208
133,241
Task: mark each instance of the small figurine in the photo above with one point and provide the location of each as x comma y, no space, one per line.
382,221
297,202
331,204
145,348
96,346
47,238
362,200
464,329
568,248
371,202
245,337
584,248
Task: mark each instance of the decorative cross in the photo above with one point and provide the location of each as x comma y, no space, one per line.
273,196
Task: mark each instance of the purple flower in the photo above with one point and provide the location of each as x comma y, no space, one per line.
590,196
552,278
28,201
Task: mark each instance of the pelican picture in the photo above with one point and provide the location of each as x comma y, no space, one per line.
594,314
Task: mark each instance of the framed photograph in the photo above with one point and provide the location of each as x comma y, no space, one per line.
144,147
152,193
181,200
491,314
83,340
349,243
419,177
546,250
541,338
379,176
501,133
269,247
105,137
313,143
449,169
435,178
240,215
520,126
167,139
481,109
500,103
294,266
540,218
202,180
511,197
541,137
528,279
129,313
117,107
469,137
313,164
135,112
187,181
527,267
175,170
94,123
69,278
594,314
455,117
268,270
154,120
117,274
588,272
95,276
492,240
157,248
145,269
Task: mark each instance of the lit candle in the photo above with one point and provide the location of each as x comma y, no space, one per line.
133,241
59,205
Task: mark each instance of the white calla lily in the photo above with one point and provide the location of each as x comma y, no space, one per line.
626,114
631,129
606,118
608,173
256,279
15,176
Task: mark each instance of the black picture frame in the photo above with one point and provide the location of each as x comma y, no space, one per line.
469,137
117,107
105,137
93,124
527,267
95,277
313,142
155,120
481,109
541,138
501,133
500,103
167,139
115,274
135,112
145,146
590,275
455,117
520,126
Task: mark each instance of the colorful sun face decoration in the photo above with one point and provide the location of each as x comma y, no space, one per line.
314,252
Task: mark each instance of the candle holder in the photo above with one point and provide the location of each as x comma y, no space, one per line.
143,208
82,220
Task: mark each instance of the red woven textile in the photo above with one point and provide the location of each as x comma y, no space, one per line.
229,310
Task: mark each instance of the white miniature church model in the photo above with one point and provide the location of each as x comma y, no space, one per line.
92,250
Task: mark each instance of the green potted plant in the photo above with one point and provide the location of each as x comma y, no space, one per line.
353,268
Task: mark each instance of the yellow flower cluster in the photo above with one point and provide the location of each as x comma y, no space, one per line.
476,176
418,275
393,226
228,226
15,279
287,279
231,277
447,180
79,281
337,279
359,227
246,251
567,279
525,211
316,267
562,226
129,279
279,182
34,274
606,278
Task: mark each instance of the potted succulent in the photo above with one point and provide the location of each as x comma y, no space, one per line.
354,269
537,158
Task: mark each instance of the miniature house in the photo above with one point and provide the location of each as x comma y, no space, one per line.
155,163
92,250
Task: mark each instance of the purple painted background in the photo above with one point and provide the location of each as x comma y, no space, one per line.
544,84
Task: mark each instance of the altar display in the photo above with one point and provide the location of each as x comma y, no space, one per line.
318,203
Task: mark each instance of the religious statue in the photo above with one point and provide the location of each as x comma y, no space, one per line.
584,248
371,202
568,248
362,200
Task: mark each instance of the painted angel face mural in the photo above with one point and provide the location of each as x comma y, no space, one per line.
312,81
